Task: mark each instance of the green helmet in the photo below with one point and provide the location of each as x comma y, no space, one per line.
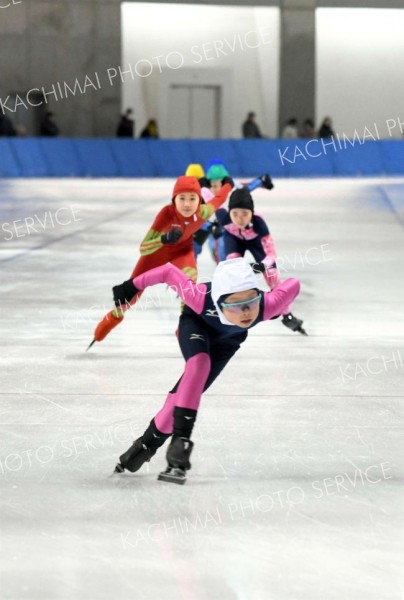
217,172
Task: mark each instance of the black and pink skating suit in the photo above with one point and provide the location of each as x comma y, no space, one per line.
206,343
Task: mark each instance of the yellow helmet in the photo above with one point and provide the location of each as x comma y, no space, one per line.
195,171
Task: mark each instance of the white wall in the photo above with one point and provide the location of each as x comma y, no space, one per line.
196,38
360,67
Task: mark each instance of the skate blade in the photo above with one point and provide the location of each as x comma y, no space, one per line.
302,331
173,476
117,471
93,342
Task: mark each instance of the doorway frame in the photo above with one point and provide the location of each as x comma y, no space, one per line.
218,102
221,78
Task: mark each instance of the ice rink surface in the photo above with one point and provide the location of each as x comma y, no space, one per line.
296,490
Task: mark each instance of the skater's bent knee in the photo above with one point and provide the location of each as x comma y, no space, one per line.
200,362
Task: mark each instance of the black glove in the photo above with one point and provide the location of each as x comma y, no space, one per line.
171,237
124,292
217,230
267,182
258,267
228,179
202,235
204,182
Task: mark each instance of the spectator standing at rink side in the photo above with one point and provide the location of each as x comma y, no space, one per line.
48,126
250,128
6,126
326,129
290,131
126,126
151,130
308,129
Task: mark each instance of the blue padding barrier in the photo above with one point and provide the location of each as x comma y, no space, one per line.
29,156
170,158
132,157
392,152
8,163
98,157
95,157
358,160
304,158
205,150
261,156
61,156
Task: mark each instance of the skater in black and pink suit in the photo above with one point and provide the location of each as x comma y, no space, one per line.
212,326
244,230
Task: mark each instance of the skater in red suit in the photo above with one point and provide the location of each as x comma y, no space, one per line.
212,326
170,238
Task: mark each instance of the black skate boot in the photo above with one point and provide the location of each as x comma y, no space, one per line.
291,322
142,450
178,454
135,457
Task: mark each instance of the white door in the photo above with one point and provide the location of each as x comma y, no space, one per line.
179,112
205,112
194,111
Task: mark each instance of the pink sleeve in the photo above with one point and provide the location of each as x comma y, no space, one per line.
193,294
269,249
277,300
207,194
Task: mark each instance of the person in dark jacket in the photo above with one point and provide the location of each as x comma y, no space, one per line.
6,126
250,128
126,126
48,126
326,130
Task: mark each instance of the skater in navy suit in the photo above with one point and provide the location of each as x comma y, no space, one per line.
213,324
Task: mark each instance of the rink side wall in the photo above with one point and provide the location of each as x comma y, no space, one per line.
106,157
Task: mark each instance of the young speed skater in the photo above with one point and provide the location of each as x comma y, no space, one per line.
244,230
214,323
170,238
211,184
210,229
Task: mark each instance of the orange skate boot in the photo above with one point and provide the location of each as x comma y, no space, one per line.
104,327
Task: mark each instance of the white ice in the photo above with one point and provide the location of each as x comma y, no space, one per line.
296,489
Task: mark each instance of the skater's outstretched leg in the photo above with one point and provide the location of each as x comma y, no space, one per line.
187,391
198,376
113,318
142,449
179,412
185,262
107,324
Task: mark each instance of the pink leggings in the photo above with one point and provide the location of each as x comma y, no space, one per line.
188,393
